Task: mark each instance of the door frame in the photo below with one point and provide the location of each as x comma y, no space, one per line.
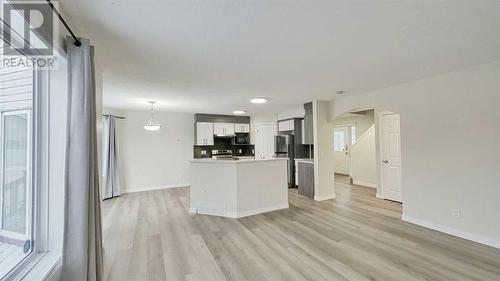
379,147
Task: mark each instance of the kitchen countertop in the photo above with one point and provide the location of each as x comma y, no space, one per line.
243,160
305,160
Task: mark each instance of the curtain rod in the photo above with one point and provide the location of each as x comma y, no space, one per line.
77,42
119,117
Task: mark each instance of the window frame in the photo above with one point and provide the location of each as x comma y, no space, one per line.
39,166
352,133
50,90
39,188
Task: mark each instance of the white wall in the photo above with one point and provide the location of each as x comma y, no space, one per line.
363,159
159,159
450,138
292,113
324,186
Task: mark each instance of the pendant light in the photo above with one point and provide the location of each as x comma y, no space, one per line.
151,125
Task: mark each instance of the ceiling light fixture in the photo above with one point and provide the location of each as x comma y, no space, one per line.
258,100
340,92
239,112
151,125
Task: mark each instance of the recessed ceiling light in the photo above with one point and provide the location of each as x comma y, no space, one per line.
340,92
239,112
258,100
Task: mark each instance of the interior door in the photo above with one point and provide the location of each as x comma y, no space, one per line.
341,148
391,157
264,141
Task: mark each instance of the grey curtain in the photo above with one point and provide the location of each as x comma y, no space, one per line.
111,169
82,250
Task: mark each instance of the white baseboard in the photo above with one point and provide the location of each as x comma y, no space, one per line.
150,188
455,232
236,215
257,211
356,182
379,196
326,197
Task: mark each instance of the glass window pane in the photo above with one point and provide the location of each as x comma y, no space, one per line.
353,135
338,141
15,168
15,232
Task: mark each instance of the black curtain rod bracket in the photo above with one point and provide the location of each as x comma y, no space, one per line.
117,117
77,41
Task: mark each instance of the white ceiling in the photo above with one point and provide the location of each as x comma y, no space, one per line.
212,56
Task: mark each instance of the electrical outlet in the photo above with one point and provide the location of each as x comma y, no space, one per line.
455,213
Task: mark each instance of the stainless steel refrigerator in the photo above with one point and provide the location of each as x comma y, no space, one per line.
283,148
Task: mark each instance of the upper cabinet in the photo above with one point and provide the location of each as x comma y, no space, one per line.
286,125
242,128
308,133
204,133
223,129
207,127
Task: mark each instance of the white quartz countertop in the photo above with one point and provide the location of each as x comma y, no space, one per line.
242,160
305,160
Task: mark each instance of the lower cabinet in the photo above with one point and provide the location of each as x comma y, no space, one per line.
305,177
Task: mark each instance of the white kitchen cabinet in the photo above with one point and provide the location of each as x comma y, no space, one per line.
204,133
222,129
241,128
287,125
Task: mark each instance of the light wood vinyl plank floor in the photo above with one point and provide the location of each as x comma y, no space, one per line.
151,236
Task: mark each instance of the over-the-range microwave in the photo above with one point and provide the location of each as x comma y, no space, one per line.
241,138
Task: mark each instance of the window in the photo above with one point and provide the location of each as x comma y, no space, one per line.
353,135
32,145
338,140
16,155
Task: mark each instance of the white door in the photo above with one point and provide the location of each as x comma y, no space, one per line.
341,147
391,157
264,141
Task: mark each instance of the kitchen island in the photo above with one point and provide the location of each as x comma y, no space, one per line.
238,188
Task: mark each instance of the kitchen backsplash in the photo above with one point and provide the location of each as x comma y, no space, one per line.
205,151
